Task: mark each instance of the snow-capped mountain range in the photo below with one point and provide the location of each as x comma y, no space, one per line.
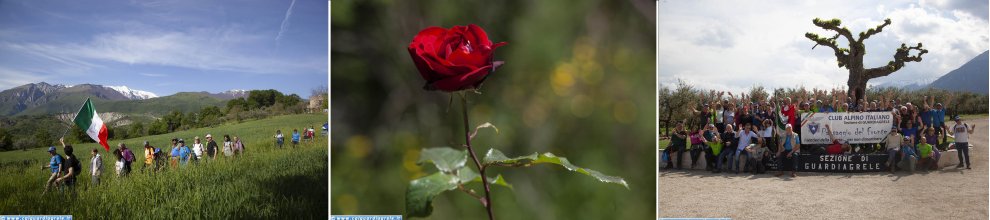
133,93
33,95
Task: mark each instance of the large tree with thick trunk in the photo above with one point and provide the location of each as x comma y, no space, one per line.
851,57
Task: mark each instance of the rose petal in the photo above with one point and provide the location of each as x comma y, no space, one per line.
478,35
424,68
461,82
428,37
474,60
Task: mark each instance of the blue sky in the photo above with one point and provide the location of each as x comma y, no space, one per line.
734,45
166,47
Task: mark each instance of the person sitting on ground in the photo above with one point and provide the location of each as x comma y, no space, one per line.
789,144
55,164
746,137
715,148
909,157
893,144
756,152
728,139
697,146
927,160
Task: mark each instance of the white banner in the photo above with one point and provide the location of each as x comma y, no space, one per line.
855,127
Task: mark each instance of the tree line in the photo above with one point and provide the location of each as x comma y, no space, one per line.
31,131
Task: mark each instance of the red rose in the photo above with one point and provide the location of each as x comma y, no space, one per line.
455,59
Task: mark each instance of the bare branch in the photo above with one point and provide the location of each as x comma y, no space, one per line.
902,56
868,33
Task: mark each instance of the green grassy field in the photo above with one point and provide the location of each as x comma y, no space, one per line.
265,183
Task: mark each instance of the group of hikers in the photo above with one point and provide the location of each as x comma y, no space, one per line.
65,170
728,129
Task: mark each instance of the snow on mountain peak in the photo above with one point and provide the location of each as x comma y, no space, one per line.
133,93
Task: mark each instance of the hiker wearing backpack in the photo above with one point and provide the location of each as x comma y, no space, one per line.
159,160
197,150
128,156
71,168
55,164
149,156
228,146
238,146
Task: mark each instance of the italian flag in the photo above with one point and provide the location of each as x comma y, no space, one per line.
781,121
88,120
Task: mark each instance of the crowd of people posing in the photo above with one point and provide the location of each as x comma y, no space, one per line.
728,129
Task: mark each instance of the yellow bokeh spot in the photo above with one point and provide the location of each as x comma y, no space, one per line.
358,146
562,79
591,72
348,204
624,111
583,50
582,106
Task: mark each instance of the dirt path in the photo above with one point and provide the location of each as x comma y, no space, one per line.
949,193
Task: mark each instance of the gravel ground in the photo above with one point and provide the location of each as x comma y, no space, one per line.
948,193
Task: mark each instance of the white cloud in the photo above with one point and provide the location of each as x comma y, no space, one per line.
766,44
10,78
211,49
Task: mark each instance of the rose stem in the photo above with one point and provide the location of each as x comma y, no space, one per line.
481,169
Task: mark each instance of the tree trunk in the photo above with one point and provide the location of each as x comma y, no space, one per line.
857,85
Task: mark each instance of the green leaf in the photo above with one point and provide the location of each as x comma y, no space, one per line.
467,175
498,181
446,159
420,194
496,157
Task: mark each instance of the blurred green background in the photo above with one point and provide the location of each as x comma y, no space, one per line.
578,81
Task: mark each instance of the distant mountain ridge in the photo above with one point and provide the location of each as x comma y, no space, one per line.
970,77
44,98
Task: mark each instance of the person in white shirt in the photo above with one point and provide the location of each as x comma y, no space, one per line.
745,139
961,132
197,149
96,168
893,143
119,165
